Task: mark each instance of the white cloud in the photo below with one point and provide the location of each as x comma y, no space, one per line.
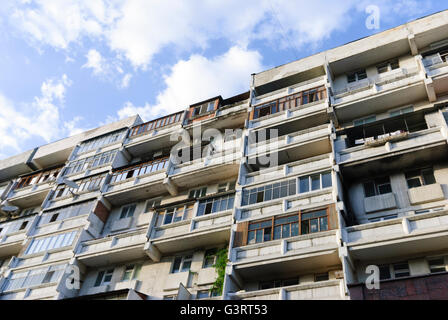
41,119
95,62
139,29
125,80
199,78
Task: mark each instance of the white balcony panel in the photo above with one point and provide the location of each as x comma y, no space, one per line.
380,202
424,194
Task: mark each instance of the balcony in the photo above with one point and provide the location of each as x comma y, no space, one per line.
325,290
420,146
397,87
137,182
380,202
437,69
318,163
13,235
298,145
427,193
218,165
408,235
192,232
117,248
296,254
31,191
303,100
153,135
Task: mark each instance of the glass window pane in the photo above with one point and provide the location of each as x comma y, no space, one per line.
259,236
251,237
277,232
304,184
294,229
286,231
323,221
305,229
315,182
326,180
314,225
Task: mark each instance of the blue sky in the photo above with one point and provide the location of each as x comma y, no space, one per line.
72,65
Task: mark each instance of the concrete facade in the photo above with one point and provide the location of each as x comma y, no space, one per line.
327,166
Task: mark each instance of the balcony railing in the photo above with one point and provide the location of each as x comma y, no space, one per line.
155,124
380,82
289,102
403,228
404,142
139,170
296,138
331,290
302,245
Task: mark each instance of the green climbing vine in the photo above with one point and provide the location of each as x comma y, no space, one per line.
220,267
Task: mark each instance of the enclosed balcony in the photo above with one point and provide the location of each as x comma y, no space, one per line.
412,234
189,226
31,190
13,234
324,290
153,135
436,65
214,162
140,181
126,246
385,90
308,100
299,242
293,146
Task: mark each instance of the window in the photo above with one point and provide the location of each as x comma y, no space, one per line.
127,211
437,265
214,205
88,184
203,108
314,182
285,227
66,212
197,193
356,76
269,192
90,162
23,225
321,277
175,214
203,294
417,178
54,217
389,217
131,272
151,204
278,283
209,258
363,121
384,272
291,101
52,242
140,169
101,141
181,264
33,277
170,297
388,66
37,178
314,222
377,187
401,270
393,271
227,186
394,113
104,277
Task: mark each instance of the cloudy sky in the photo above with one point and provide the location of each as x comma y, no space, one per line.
71,65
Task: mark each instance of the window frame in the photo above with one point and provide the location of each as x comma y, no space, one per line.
418,174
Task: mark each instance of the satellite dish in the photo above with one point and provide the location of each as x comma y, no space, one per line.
70,183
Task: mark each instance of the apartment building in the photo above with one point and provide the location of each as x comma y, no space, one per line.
327,169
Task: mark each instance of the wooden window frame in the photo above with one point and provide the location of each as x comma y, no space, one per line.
272,226
155,124
289,101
